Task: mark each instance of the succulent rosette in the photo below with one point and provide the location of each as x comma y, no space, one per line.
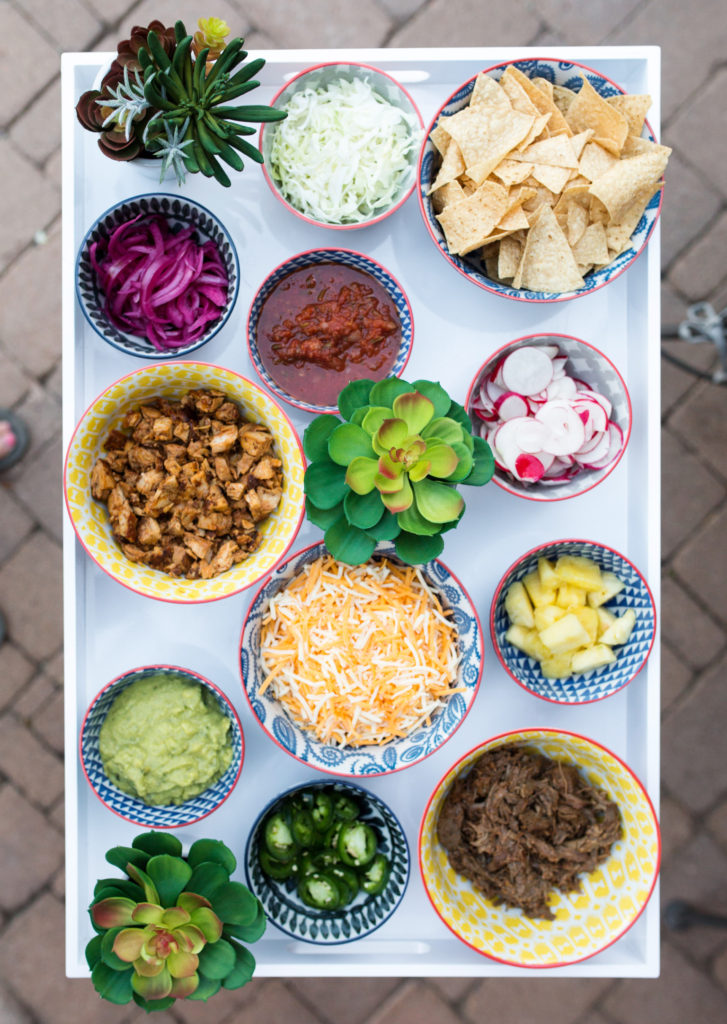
390,469
171,929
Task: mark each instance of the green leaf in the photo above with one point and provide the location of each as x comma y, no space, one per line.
114,912
170,876
349,544
385,391
360,415
436,394
467,440
107,953
234,903
121,887
120,856
154,1005
438,502
348,442
353,395
387,528
416,550
444,429
413,521
484,464
414,409
419,471
464,465
155,986
402,499
316,434
458,413
207,878
217,960
93,951
211,851
322,517
361,475
363,510
251,932
207,988
243,970
391,434
325,483
155,843
375,416
114,986
443,459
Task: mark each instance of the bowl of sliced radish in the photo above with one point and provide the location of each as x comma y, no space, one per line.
556,413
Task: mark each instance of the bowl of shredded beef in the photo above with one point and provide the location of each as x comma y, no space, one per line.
539,848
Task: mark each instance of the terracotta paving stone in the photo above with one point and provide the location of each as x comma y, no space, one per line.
41,203
685,627
27,866
675,678
462,22
692,130
575,21
17,90
717,823
681,994
702,421
35,133
53,383
187,11
30,325
56,815
68,22
52,168
54,666
33,577
16,523
676,826
693,743
700,269
15,671
13,382
702,564
558,1000
719,969
673,309
58,884
320,25
400,10
690,491
11,1012
35,771
34,696
418,1002
225,1008
691,207
346,1000
40,488
697,874
453,989
42,414
33,968
48,722
109,11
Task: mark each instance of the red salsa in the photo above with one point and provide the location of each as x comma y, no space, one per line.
324,325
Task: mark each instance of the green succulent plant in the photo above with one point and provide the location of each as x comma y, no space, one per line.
170,929
389,470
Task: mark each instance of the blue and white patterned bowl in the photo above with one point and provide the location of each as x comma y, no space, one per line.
131,808
365,913
312,258
598,683
559,72
357,762
179,212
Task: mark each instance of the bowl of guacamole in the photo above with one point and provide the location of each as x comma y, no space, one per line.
161,746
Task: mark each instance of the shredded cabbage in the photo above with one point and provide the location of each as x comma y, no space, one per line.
344,152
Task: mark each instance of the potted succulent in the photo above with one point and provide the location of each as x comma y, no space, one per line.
389,469
170,95
171,928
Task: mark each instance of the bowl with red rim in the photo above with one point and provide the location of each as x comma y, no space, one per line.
332,151
612,897
556,413
561,73
311,293
132,808
597,683
302,742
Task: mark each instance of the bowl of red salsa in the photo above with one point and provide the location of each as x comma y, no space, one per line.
324,318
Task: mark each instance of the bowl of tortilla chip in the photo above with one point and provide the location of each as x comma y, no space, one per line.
541,180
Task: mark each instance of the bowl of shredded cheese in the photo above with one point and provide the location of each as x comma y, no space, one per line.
346,154
360,670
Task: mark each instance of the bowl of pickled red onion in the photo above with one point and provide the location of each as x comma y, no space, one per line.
556,413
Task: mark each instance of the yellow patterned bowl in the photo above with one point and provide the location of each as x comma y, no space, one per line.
612,898
90,518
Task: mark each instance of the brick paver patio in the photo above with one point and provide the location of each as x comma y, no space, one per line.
693,985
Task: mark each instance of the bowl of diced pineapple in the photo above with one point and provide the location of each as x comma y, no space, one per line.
573,621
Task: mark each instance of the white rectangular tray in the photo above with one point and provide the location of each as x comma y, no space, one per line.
109,630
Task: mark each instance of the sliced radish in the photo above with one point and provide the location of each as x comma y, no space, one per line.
561,387
559,367
552,352
509,406
492,391
615,437
527,370
596,453
591,411
601,399
529,468
530,435
566,433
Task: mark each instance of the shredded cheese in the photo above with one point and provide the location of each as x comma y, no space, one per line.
359,654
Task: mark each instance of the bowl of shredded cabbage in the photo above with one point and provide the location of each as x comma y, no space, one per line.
346,154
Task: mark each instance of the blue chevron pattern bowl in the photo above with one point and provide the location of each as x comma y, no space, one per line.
315,257
558,72
366,912
357,762
598,683
131,808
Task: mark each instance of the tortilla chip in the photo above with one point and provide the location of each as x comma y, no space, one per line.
440,136
547,263
518,196
491,266
592,247
519,99
468,223
538,132
452,192
619,187
514,220
563,97
452,166
618,234
544,85
595,161
634,108
635,146
555,152
589,110
512,172
486,135
488,92
597,211
579,180
509,256
554,178
576,223
579,141
539,99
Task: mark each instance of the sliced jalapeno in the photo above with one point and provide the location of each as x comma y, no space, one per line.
376,875
348,876
304,863
301,826
278,837
319,891
345,807
322,810
276,869
356,843
330,837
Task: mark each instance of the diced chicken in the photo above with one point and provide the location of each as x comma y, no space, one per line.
254,440
141,458
224,440
224,558
181,431
265,468
149,480
235,491
242,465
150,412
216,501
222,469
262,502
149,532
102,480
200,547
162,428
122,519
228,413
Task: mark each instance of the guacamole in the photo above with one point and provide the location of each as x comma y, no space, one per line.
165,739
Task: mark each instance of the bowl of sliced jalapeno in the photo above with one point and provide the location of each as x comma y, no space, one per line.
329,862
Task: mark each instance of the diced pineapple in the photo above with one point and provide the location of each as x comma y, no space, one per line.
518,607
547,615
605,619
527,641
570,597
610,586
589,620
547,573
567,634
537,593
620,630
557,667
579,572
593,657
